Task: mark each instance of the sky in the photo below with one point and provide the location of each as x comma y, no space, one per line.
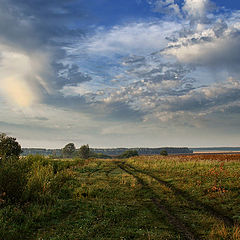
126,73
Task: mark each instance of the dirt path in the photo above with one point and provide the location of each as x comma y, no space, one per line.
177,223
228,221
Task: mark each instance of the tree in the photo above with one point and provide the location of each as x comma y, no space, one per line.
69,150
9,147
84,151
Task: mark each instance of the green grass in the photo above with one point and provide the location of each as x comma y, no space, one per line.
138,198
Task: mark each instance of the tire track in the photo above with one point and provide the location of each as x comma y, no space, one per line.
95,170
181,228
228,221
110,170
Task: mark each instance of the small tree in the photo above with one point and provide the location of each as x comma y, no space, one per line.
164,153
69,150
84,151
9,147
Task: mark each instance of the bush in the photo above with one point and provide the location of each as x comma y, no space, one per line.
12,182
34,178
38,183
164,153
129,153
46,181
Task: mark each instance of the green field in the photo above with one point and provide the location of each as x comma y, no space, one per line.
148,197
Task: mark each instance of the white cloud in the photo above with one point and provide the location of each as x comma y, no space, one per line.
167,7
215,45
132,38
21,75
196,9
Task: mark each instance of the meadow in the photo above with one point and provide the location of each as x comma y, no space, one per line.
146,197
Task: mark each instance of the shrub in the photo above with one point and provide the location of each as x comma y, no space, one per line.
37,187
46,181
12,181
34,179
164,153
129,153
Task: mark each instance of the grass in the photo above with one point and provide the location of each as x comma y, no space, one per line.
147,197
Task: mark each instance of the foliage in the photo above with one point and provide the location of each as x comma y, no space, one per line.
9,147
69,150
129,153
38,181
84,152
12,181
164,153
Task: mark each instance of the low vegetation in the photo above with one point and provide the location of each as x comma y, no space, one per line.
128,154
146,197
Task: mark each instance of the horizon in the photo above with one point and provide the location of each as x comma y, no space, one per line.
130,73
190,147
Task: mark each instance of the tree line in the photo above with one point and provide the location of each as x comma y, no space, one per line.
11,149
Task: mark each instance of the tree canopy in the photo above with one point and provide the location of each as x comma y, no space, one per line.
9,147
84,151
69,150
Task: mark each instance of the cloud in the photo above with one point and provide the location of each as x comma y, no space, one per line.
128,39
24,65
145,76
217,45
193,10
197,9
205,100
32,47
151,76
22,75
167,7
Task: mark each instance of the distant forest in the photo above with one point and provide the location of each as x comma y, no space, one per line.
109,151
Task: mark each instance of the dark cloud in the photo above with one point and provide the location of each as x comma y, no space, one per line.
41,118
76,103
133,59
121,111
47,27
207,99
69,75
234,109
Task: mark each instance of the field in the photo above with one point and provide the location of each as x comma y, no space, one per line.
147,197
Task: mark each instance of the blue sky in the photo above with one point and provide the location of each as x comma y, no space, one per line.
126,73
